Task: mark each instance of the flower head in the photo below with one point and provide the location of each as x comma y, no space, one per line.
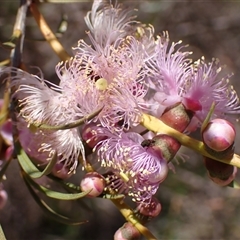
39,104
108,23
102,80
41,145
140,169
197,86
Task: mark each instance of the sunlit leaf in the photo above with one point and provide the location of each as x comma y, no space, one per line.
2,235
9,45
62,28
114,196
234,184
5,62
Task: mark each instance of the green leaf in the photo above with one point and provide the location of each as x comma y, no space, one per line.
53,194
4,63
68,125
2,235
49,211
70,186
9,45
48,169
29,167
234,184
115,196
208,117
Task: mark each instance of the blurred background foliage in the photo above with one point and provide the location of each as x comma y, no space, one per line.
192,206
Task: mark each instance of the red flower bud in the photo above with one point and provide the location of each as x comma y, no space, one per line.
92,134
219,135
168,145
151,209
93,182
177,117
127,232
220,173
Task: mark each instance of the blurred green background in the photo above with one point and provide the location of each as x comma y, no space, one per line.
193,207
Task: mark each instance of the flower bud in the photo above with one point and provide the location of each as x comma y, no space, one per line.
127,232
93,182
160,175
3,198
225,182
169,146
177,117
151,209
220,173
191,104
219,135
92,134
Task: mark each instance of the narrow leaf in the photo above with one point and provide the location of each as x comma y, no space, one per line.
208,117
29,167
48,169
49,211
53,194
234,184
2,235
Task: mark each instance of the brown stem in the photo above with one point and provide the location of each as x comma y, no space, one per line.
48,34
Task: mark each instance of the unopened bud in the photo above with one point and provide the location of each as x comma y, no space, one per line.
92,134
151,209
160,175
127,232
169,146
177,117
219,135
93,182
219,172
3,198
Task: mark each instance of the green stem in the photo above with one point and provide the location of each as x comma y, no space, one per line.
129,216
155,125
2,235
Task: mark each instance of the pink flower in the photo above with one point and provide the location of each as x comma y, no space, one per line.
39,104
207,86
102,80
41,145
137,170
108,23
175,79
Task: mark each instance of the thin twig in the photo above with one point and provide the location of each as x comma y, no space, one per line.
48,34
19,32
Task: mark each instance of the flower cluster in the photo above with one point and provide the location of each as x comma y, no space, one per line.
123,73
